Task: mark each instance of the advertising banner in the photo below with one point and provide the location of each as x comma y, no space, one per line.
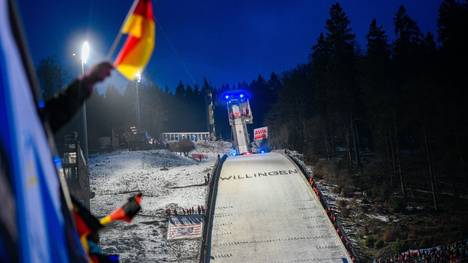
261,133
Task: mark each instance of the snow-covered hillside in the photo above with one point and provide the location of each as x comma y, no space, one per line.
118,175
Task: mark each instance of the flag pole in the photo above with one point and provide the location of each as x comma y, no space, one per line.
119,36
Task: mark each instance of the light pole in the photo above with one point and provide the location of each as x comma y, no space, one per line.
138,80
85,50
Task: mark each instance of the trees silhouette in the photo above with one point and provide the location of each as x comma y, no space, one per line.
404,101
50,76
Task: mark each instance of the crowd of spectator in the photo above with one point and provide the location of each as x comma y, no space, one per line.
198,210
456,252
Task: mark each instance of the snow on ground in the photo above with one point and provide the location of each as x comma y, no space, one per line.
382,218
266,212
118,175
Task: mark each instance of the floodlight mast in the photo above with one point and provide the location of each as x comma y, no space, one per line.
239,114
85,51
137,87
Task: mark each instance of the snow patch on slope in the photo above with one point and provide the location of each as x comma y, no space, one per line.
118,175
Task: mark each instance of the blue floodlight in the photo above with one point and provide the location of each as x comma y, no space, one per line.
262,151
233,152
234,96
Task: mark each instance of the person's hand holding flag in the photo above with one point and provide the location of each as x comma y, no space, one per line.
88,226
98,73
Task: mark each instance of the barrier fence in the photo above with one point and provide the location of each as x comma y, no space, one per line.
75,169
205,248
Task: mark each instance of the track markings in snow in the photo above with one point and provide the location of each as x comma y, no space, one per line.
266,212
258,175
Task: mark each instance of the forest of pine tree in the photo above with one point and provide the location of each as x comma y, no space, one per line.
402,102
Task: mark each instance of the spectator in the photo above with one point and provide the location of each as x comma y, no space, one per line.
452,253
61,109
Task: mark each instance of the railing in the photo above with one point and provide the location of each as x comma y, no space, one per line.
178,136
75,169
205,248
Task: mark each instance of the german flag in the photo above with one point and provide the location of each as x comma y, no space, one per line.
139,45
126,212
86,223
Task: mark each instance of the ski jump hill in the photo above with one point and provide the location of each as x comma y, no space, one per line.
264,210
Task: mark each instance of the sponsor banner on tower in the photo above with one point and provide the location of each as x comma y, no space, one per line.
261,133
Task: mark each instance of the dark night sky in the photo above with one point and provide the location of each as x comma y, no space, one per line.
225,41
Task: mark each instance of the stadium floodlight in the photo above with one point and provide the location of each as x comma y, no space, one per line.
241,95
85,50
226,97
138,77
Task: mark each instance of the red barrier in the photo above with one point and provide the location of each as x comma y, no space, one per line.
332,218
199,156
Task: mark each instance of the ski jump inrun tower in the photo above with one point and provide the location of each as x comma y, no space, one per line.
239,114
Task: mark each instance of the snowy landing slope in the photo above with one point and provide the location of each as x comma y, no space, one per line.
266,212
118,175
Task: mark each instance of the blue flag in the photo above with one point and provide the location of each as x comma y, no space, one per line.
34,221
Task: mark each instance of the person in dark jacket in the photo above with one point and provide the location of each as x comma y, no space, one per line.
57,112
61,108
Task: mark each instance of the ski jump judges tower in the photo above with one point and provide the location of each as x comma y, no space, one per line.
239,114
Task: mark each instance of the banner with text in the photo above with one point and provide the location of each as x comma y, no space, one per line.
261,133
